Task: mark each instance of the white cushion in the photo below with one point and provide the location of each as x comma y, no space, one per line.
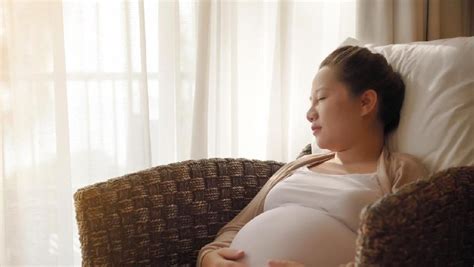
437,117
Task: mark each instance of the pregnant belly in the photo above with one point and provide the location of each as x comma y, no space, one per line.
295,233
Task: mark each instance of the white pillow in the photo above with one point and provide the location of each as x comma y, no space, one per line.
437,117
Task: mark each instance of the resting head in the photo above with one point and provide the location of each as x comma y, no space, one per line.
356,97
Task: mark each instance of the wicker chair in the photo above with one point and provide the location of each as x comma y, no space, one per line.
162,216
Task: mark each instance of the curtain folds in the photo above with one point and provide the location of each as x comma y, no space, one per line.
91,90
401,21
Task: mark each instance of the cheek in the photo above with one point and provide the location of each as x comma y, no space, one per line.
339,116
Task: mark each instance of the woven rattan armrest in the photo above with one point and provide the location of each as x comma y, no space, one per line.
425,223
162,216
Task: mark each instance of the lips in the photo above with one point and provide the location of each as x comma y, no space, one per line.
315,128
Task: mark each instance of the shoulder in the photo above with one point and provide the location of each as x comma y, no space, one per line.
408,162
405,168
315,157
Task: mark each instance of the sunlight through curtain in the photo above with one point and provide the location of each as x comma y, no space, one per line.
92,90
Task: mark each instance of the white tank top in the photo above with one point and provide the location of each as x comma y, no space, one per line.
310,218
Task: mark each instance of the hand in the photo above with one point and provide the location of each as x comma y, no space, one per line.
223,257
284,263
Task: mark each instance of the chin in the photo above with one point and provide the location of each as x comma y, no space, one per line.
325,145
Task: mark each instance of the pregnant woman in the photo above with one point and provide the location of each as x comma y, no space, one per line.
307,213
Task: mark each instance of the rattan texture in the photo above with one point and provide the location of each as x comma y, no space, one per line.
425,223
162,216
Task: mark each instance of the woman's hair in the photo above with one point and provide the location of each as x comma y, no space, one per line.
361,70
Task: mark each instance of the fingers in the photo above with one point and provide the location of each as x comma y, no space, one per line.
231,254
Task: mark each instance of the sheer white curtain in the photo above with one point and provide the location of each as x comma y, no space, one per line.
91,90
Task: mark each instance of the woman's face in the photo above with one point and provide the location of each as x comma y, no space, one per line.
335,114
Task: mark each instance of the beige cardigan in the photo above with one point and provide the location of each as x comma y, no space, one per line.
393,171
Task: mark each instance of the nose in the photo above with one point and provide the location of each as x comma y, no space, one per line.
311,114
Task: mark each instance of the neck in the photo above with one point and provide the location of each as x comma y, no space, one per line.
368,150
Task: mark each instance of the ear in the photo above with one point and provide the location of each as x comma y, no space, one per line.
368,102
